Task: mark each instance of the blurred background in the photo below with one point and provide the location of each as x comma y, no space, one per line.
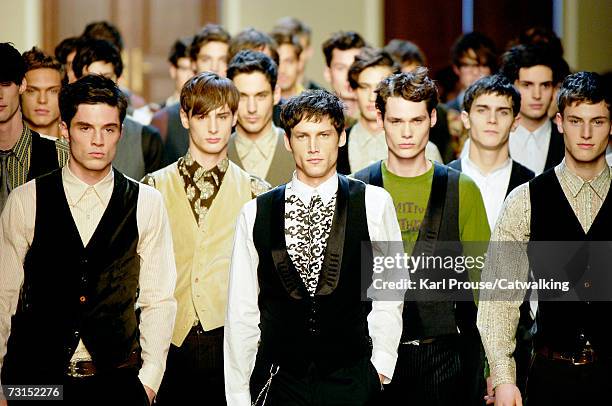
149,27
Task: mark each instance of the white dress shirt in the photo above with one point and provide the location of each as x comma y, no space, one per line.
493,186
87,205
530,149
241,325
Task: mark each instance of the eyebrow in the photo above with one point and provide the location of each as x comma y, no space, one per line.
91,125
486,106
39,88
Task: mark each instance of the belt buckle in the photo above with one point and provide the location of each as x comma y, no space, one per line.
74,371
583,357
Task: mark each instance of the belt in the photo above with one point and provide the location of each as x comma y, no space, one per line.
85,369
583,357
419,342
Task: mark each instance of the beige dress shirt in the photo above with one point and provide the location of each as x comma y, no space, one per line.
256,156
497,320
87,205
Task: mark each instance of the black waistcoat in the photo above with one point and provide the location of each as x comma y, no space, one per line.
425,319
330,328
564,325
43,156
71,292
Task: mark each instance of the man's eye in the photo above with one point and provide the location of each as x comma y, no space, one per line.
480,110
84,128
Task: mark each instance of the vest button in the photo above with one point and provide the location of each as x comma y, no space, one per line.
83,299
587,284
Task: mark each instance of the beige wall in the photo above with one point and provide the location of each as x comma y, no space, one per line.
323,16
20,23
587,34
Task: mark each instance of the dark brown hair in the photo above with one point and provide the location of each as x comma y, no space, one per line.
91,89
312,105
414,86
210,33
35,58
342,40
252,39
583,87
368,58
207,91
284,37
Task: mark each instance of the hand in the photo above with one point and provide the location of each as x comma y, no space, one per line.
3,403
490,397
150,394
508,394
382,378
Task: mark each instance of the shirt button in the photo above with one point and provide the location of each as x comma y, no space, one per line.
83,299
196,280
587,284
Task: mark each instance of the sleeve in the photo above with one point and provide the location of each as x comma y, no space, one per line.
152,148
157,282
16,234
385,319
242,318
506,259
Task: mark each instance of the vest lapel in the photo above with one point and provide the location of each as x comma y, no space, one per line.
232,152
332,262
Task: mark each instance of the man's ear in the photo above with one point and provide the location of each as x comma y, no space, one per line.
465,119
559,122
65,134
342,139
234,119
23,85
172,70
327,74
456,69
287,143
184,119
433,117
277,94
379,119
515,124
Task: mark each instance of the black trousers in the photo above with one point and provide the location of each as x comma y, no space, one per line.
430,374
113,387
194,371
355,385
559,383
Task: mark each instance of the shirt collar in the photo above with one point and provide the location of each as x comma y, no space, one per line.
362,136
541,134
507,165
196,171
599,184
75,188
327,190
264,144
22,147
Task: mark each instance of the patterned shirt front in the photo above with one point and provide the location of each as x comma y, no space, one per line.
307,229
201,186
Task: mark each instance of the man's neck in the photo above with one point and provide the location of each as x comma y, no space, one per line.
408,167
292,91
88,176
254,136
487,160
207,161
51,130
10,131
586,170
371,126
532,124
314,182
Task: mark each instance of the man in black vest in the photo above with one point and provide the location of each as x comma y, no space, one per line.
440,361
87,267
24,154
571,202
297,331
490,111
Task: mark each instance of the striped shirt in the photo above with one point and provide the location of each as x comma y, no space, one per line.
18,163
